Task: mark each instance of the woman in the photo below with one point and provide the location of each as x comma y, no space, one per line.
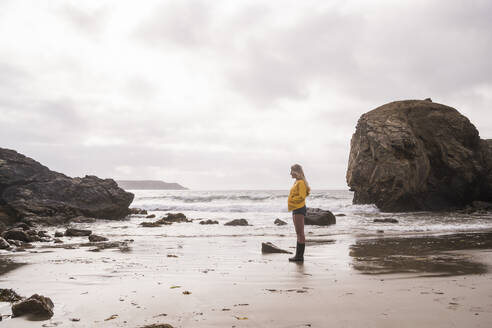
297,204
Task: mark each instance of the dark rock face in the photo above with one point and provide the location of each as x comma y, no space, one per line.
316,216
271,248
29,189
418,155
37,305
237,222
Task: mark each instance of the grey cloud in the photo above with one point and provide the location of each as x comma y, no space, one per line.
399,53
88,21
184,24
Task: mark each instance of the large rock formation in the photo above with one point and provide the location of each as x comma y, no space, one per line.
418,155
29,189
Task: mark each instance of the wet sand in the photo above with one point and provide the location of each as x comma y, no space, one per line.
345,281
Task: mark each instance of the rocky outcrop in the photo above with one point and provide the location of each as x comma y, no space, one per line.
418,155
29,189
317,216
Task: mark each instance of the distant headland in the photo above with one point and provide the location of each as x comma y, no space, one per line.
149,185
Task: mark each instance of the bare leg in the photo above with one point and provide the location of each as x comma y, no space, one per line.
299,225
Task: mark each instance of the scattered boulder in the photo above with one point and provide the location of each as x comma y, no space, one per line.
175,217
279,222
271,248
95,238
38,305
4,244
209,222
151,216
147,224
317,216
386,220
72,232
237,222
416,155
29,189
9,295
59,234
17,234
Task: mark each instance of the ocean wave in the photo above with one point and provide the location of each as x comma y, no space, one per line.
233,197
211,198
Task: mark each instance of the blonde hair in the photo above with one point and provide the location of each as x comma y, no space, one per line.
299,172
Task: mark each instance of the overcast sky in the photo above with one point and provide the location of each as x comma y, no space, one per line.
228,94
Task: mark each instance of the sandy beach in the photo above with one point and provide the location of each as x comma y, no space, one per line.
225,281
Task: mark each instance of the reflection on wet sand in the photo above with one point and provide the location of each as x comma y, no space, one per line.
425,255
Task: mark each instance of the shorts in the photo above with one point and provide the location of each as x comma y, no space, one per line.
301,210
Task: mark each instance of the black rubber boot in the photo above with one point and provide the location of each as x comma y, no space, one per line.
299,257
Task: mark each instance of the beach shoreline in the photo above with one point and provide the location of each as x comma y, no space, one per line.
231,284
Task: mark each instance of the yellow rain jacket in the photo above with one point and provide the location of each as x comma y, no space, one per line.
297,195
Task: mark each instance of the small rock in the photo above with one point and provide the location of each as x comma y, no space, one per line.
4,244
175,217
71,232
386,220
43,234
9,295
209,222
59,234
36,305
279,222
237,222
82,219
147,224
17,243
137,211
268,247
317,216
17,234
151,216
58,241
95,238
